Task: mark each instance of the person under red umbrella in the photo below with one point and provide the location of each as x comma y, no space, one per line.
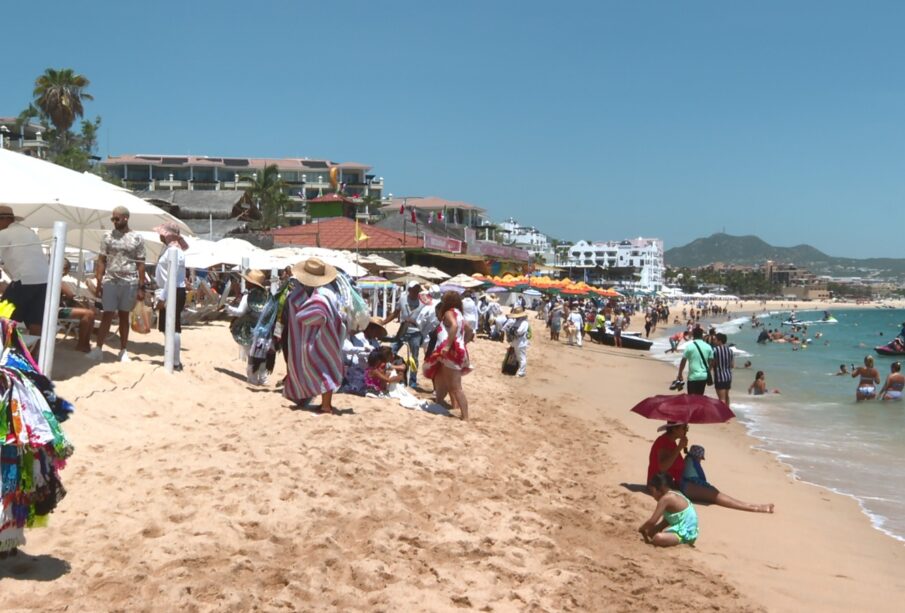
666,457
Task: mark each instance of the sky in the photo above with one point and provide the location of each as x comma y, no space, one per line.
590,120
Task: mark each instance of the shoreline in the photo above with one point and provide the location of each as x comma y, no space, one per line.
778,577
532,505
762,443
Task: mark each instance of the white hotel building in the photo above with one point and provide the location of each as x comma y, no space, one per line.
645,255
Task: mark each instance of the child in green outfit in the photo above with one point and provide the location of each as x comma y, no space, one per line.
674,520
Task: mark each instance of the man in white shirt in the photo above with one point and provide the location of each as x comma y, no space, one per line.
519,338
24,261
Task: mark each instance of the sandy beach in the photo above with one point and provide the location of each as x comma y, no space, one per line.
196,492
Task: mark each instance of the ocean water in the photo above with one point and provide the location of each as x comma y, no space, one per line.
814,424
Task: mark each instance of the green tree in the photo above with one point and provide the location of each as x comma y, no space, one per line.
59,95
268,193
372,202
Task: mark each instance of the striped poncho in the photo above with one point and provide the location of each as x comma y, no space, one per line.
316,331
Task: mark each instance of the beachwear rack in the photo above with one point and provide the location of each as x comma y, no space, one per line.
33,448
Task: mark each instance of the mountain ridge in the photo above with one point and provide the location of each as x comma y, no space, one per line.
750,250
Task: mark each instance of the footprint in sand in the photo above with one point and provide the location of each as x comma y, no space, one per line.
152,532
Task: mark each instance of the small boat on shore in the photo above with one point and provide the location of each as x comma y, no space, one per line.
630,340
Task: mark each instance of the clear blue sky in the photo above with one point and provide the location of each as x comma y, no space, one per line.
595,120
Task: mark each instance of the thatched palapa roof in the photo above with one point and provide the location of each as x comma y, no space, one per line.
198,204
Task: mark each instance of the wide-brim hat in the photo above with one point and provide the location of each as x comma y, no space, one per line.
670,424
256,277
314,272
518,313
170,231
492,297
7,211
376,321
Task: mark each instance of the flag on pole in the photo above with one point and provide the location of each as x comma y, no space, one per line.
414,219
359,235
440,214
401,209
430,217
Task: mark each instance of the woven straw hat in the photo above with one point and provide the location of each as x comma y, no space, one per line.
314,272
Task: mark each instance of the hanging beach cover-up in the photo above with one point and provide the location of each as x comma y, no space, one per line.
316,332
33,447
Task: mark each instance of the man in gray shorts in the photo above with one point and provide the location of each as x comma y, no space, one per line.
120,278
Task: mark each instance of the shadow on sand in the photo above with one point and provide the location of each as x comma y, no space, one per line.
26,567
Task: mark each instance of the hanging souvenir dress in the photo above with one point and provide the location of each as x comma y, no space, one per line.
33,447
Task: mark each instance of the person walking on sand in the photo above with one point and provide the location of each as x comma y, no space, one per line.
576,326
870,378
674,520
120,276
666,457
316,332
698,355
519,341
723,363
26,265
449,360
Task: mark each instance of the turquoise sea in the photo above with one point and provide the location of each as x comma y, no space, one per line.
814,425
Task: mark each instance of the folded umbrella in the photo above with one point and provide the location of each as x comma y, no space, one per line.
684,408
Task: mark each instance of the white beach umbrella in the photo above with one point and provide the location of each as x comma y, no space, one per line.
43,193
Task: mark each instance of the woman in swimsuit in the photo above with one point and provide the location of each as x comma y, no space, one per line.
895,383
867,386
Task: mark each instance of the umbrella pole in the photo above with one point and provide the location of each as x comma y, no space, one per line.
52,299
169,352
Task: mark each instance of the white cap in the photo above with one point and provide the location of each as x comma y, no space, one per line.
412,284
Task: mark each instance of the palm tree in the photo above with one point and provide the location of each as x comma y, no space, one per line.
268,193
59,94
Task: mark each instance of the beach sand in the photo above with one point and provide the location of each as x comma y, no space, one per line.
195,492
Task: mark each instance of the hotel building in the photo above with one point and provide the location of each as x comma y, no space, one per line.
304,178
645,255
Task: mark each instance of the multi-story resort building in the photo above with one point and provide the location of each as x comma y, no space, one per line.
305,179
511,232
26,138
644,255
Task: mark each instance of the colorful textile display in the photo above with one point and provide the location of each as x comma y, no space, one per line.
33,447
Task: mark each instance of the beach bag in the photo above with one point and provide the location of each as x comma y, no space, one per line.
354,308
141,318
510,362
709,373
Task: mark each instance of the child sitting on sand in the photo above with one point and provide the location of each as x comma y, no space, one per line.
381,372
674,521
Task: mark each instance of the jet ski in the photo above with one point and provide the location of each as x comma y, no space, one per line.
893,348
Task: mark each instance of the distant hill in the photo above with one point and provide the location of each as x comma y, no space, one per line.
752,251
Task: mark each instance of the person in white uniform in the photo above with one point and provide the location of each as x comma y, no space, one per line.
519,340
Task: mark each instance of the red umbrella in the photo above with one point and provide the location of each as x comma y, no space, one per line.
684,408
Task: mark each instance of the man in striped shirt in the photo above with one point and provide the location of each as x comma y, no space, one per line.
723,363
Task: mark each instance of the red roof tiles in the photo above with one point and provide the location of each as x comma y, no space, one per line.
339,233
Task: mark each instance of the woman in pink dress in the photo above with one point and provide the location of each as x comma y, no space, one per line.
449,361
